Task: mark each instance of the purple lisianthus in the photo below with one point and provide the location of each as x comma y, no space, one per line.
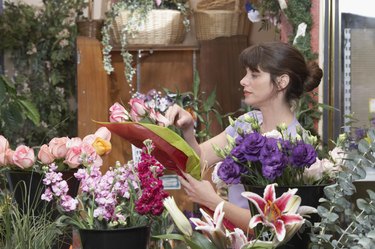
273,160
252,144
230,171
238,153
303,155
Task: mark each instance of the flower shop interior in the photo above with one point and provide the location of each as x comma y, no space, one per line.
85,83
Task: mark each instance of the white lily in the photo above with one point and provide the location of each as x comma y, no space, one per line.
178,217
213,227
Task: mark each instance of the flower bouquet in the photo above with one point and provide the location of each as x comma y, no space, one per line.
126,196
279,219
146,121
274,157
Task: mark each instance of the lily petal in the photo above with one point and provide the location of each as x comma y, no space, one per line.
289,219
269,193
279,230
283,200
258,201
255,220
293,205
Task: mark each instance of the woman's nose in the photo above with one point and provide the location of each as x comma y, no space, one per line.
243,81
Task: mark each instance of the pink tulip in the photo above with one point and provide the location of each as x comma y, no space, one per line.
4,144
138,109
9,156
73,157
45,155
24,157
58,147
118,113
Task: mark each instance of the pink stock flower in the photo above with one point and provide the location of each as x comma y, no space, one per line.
4,146
138,109
24,157
45,155
58,147
118,113
272,211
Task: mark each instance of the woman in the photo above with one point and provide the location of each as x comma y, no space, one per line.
276,76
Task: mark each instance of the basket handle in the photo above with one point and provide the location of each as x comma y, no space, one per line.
237,5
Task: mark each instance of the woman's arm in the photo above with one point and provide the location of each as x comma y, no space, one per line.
203,193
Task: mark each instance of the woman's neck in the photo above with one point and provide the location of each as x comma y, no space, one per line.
272,117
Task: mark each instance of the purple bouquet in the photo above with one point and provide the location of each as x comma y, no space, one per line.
260,159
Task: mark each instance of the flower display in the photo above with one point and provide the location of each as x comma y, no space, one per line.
280,218
125,196
144,119
64,152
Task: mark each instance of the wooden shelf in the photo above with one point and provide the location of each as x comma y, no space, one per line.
170,47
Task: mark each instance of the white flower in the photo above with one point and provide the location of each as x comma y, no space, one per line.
178,217
282,4
337,155
273,134
301,31
254,16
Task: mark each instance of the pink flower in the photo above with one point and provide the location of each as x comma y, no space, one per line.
159,118
23,157
157,2
73,157
4,146
9,156
45,155
84,154
58,147
138,109
214,227
100,141
73,142
118,113
272,211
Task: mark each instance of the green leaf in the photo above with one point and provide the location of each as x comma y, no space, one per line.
363,146
171,236
13,116
31,111
196,84
7,82
199,241
209,103
2,91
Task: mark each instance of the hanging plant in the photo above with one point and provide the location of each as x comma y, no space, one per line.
138,13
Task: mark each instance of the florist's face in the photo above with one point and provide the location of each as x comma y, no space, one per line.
258,88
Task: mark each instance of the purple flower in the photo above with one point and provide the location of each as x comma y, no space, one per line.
252,144
303,155
237,152
360,133
230,172
273,160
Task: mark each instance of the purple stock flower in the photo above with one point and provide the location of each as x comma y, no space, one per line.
230,172
303,155
252,144
273,160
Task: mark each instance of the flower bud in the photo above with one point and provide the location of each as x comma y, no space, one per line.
178,217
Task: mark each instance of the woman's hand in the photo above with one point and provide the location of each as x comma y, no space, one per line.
180,118
200,192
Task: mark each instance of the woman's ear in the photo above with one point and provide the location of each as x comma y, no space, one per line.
282,81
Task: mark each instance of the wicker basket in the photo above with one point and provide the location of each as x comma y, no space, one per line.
161,27
210,24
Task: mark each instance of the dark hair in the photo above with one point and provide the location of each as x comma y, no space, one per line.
278,58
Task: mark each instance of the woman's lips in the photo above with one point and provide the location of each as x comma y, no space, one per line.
246,93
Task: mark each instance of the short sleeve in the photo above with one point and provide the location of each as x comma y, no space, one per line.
239,123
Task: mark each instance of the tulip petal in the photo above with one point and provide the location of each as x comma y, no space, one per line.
171,150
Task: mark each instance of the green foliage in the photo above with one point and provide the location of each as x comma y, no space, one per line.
23,228
201,106
14,109
346,223
41,43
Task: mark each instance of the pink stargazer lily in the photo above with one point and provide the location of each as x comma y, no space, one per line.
213,227
273,212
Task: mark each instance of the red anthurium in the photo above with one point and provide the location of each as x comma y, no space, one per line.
274,212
